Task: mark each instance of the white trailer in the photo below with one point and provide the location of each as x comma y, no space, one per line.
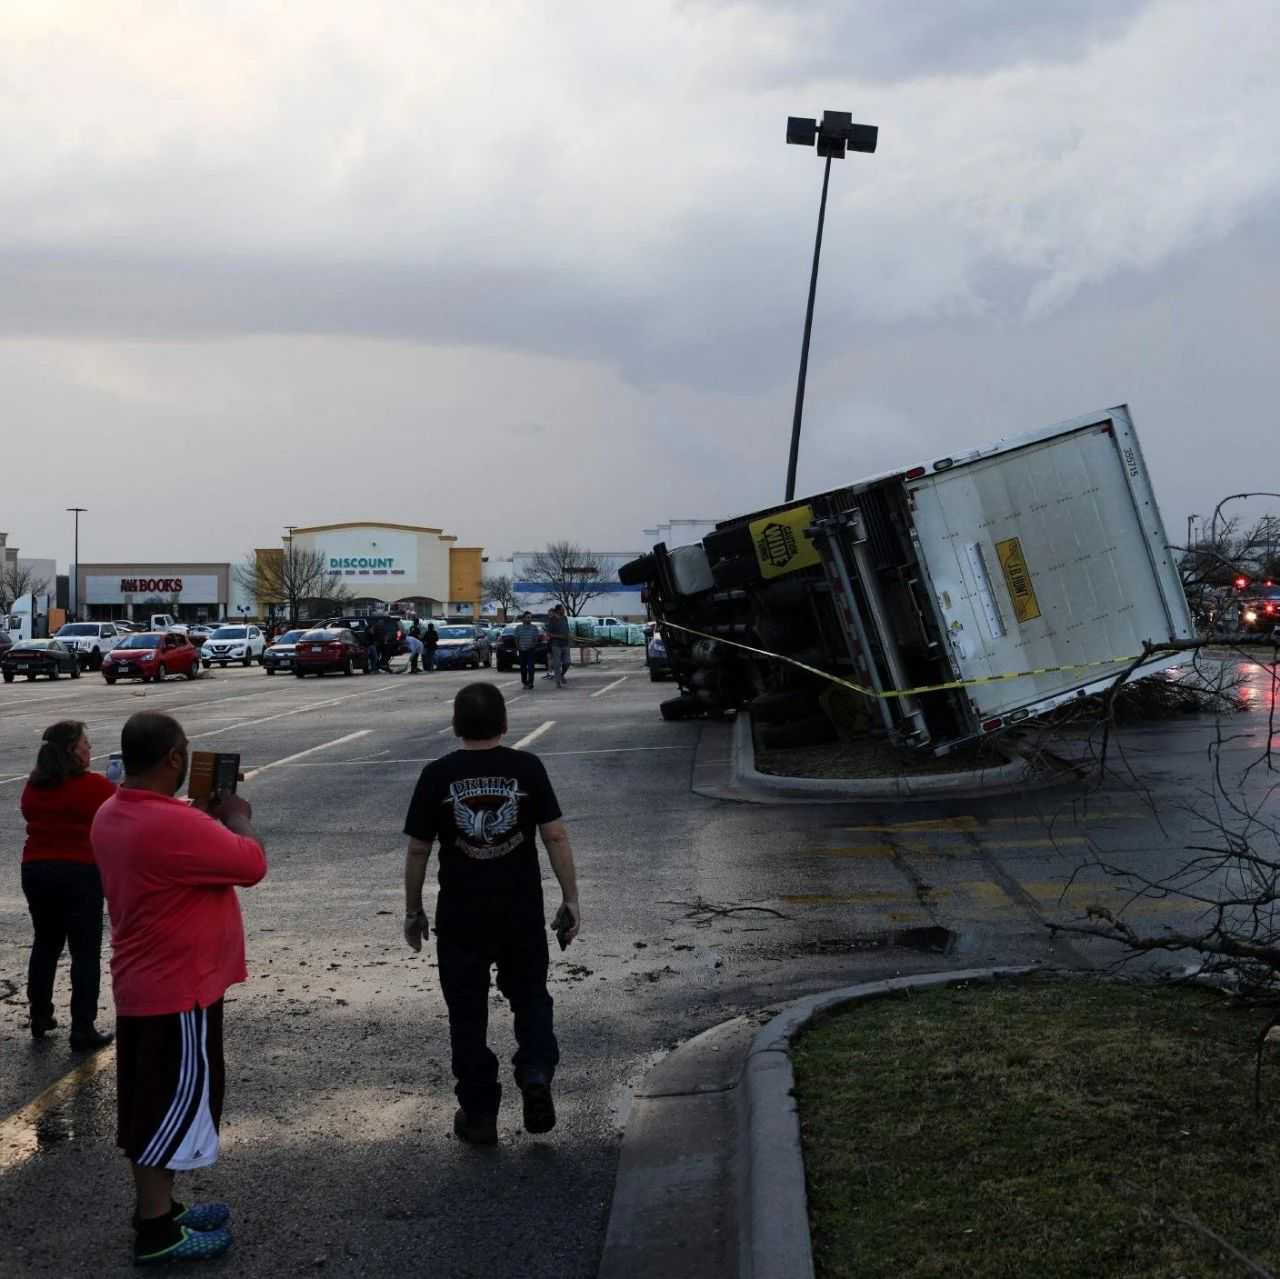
963,595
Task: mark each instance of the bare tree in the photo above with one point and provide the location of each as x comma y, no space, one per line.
17,582
567,574
501,592
294,579
1223,891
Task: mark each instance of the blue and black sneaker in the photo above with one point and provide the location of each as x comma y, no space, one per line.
194,1245
204,1216
198,1216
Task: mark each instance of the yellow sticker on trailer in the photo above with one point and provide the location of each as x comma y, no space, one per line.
781,544
1026,608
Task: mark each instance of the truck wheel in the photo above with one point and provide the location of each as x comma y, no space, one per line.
111,679
205,664
347,668
247,660
193,670
163,673
75,671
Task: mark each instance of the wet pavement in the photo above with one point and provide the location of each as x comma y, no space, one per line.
339,1158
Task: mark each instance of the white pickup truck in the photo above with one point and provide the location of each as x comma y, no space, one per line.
91,641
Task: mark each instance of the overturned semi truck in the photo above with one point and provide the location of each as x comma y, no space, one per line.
961,596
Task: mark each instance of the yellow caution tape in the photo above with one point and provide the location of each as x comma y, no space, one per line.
904,692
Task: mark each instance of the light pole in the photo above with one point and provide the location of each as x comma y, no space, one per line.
75,568
836,134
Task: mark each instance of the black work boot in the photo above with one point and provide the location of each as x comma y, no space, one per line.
539,1108
476,1130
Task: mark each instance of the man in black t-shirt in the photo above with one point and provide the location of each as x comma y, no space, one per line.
485,805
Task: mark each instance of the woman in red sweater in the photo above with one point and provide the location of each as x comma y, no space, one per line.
61,882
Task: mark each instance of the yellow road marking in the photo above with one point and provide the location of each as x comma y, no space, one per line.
19,1134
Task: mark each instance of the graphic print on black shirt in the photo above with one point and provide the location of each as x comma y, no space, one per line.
485,808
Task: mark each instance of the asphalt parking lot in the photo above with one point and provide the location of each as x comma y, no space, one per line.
339,1158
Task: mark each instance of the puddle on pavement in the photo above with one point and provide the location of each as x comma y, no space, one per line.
932,939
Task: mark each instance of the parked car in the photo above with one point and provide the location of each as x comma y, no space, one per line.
279,654
126,627
49,657
90,641
152,655
1261,610
657,660
362,629
329,648
506,651
242,644
201,631
463,646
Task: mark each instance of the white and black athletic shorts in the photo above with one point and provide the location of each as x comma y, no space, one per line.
170,1080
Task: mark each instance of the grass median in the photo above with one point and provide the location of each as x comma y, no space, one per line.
1056,1128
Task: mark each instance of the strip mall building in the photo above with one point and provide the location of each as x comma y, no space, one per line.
420,569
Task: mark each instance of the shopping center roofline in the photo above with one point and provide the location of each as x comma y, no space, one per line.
329,528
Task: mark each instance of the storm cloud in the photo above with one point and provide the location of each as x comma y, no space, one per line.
533,271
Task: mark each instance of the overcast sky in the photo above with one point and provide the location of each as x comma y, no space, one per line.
536,270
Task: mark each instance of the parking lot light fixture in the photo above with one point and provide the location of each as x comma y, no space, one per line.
836,135
75,567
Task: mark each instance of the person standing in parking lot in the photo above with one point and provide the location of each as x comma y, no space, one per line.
61,882
170,871
527,637
429,642
558,643
486,804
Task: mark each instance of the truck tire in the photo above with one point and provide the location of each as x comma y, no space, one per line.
75,671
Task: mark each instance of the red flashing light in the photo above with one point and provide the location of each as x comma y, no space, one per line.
1271,608
1241,583
916,472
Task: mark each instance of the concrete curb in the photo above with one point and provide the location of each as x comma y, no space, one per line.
774,1238
765,787
711,1181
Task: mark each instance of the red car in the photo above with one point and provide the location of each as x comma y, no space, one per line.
329,649
151,655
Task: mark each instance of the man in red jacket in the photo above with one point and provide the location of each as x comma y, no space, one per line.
170,871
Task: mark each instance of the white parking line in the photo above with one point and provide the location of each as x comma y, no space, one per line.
249,723
533,737
600,692
288,759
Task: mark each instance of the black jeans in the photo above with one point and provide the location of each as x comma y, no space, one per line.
465,954
526,668
65,901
